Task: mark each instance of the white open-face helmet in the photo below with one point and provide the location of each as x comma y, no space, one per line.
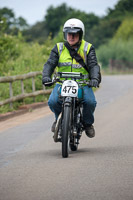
74,26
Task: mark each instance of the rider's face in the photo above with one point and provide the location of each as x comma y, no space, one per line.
72,38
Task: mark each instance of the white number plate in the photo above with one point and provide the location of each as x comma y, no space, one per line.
69,88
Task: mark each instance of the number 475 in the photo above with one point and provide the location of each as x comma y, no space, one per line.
68,89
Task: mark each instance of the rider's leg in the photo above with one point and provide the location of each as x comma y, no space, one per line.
89,105
54,102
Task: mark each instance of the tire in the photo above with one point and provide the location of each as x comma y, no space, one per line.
66,121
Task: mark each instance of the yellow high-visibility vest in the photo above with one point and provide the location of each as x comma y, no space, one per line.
67,64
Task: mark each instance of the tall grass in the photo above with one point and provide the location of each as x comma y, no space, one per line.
117,50
18,57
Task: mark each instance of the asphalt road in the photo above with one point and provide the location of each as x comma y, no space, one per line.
31,166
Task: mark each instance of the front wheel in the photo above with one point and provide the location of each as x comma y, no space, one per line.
66,126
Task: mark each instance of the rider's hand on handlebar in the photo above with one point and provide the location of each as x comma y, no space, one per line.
93,83
47,81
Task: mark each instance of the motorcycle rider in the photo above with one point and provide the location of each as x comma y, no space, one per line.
61,58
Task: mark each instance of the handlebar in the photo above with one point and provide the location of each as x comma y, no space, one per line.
72,75
66,75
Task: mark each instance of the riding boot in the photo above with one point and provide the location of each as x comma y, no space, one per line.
90,131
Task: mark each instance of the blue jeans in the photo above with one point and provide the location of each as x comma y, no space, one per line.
89,104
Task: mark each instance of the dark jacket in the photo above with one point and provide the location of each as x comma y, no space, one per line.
92,65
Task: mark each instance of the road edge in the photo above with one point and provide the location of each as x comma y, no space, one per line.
22,110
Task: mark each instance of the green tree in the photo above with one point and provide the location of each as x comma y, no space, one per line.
10,24
108,25
37,32
21,23
121,9
55,18
3,26
104,31
7,16
125,31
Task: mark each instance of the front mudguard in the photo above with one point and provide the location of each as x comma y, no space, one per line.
68,101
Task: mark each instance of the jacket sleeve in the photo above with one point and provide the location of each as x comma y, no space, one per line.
93,67
51,63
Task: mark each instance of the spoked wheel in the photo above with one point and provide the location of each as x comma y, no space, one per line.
66,125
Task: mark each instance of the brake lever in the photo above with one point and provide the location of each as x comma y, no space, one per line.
48,83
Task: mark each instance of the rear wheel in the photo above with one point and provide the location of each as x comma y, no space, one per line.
66,126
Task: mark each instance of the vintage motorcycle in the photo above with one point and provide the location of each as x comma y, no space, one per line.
69,126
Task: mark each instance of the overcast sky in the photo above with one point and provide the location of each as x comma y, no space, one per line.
35,10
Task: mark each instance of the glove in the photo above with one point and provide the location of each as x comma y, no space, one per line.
93,83
47,80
